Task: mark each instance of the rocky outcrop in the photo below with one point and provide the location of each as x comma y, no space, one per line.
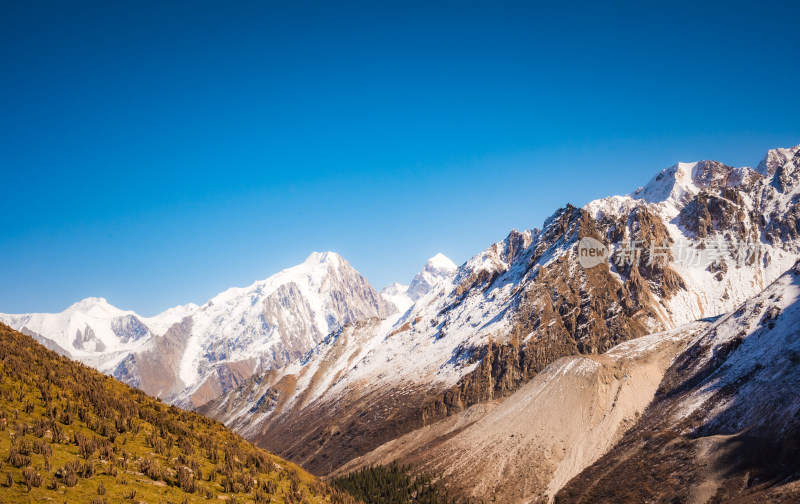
155,370
707,214
129,328
711,174
776,158
526,447
84,337
724,423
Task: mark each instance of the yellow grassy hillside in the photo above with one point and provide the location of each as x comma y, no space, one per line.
71,434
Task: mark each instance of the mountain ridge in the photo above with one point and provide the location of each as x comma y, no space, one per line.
120,342
112,339
520,305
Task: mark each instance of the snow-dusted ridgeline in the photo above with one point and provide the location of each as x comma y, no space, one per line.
502,294
438,268
194,353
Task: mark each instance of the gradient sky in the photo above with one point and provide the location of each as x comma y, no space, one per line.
156,153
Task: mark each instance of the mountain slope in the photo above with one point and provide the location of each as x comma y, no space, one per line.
70,433
526,446
724,425
526,301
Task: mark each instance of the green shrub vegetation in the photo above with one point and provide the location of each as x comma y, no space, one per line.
392,484
71,434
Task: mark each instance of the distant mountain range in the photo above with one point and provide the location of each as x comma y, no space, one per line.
190,354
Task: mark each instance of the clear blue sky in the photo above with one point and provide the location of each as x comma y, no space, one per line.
156,153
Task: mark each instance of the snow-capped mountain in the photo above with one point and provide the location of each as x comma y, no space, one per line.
191,354
94,331
526,301
438,268
315,365
729,398
273,322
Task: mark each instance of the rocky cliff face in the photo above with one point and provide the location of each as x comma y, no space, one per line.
525,447
525,302
707,412
724,423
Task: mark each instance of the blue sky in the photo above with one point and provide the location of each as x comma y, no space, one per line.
156,153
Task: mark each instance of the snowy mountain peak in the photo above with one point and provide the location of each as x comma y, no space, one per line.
774,159
177,312
397,294
94,307
91,303
441,263
671,183
436,269
271,322
323,258
394,288
89,328
680,182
